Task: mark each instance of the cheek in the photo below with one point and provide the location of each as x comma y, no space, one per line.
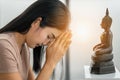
36,38
30,40
39,38
43,37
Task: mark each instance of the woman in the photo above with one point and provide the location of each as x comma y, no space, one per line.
45,22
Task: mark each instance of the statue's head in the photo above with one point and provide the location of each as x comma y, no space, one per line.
106,21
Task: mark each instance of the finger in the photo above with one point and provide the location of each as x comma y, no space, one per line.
65,48
67,45
67,42
57,40
64,38
60,37
67,39
63,33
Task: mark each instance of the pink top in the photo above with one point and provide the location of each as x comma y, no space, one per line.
11,60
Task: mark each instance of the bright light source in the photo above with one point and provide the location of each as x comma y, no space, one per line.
83,32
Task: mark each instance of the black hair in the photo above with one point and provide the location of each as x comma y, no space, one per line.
37,58
54,14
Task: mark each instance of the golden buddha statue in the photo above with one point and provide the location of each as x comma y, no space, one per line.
102,58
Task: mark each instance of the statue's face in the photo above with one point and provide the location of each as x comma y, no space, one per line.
105,24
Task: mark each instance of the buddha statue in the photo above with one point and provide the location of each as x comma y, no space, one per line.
102,58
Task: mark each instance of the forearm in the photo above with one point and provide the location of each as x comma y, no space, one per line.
107,50
96,46
46,71
31,75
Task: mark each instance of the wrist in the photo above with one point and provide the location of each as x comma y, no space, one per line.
46,71
50,64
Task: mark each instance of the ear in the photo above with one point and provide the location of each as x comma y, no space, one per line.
37,22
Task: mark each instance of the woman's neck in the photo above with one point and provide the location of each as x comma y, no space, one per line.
20,39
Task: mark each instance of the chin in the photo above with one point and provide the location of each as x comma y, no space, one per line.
31,46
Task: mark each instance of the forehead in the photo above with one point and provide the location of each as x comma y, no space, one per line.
54,31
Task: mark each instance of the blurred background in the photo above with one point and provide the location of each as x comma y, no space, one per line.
86,16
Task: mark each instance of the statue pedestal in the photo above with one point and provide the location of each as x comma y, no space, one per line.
111,76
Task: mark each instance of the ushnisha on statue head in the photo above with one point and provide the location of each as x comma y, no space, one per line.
106,21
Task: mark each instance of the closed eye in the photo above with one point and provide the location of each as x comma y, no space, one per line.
48,37
51,36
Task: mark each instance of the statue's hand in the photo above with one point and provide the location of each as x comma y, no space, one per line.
98,51
96,47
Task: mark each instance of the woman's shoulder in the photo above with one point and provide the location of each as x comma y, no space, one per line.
7,55
5,36
5,40
7,45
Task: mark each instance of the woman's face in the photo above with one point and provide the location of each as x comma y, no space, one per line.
37,36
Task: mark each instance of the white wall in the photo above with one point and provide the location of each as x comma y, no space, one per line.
0,12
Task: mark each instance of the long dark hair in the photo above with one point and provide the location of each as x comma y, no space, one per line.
54,14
